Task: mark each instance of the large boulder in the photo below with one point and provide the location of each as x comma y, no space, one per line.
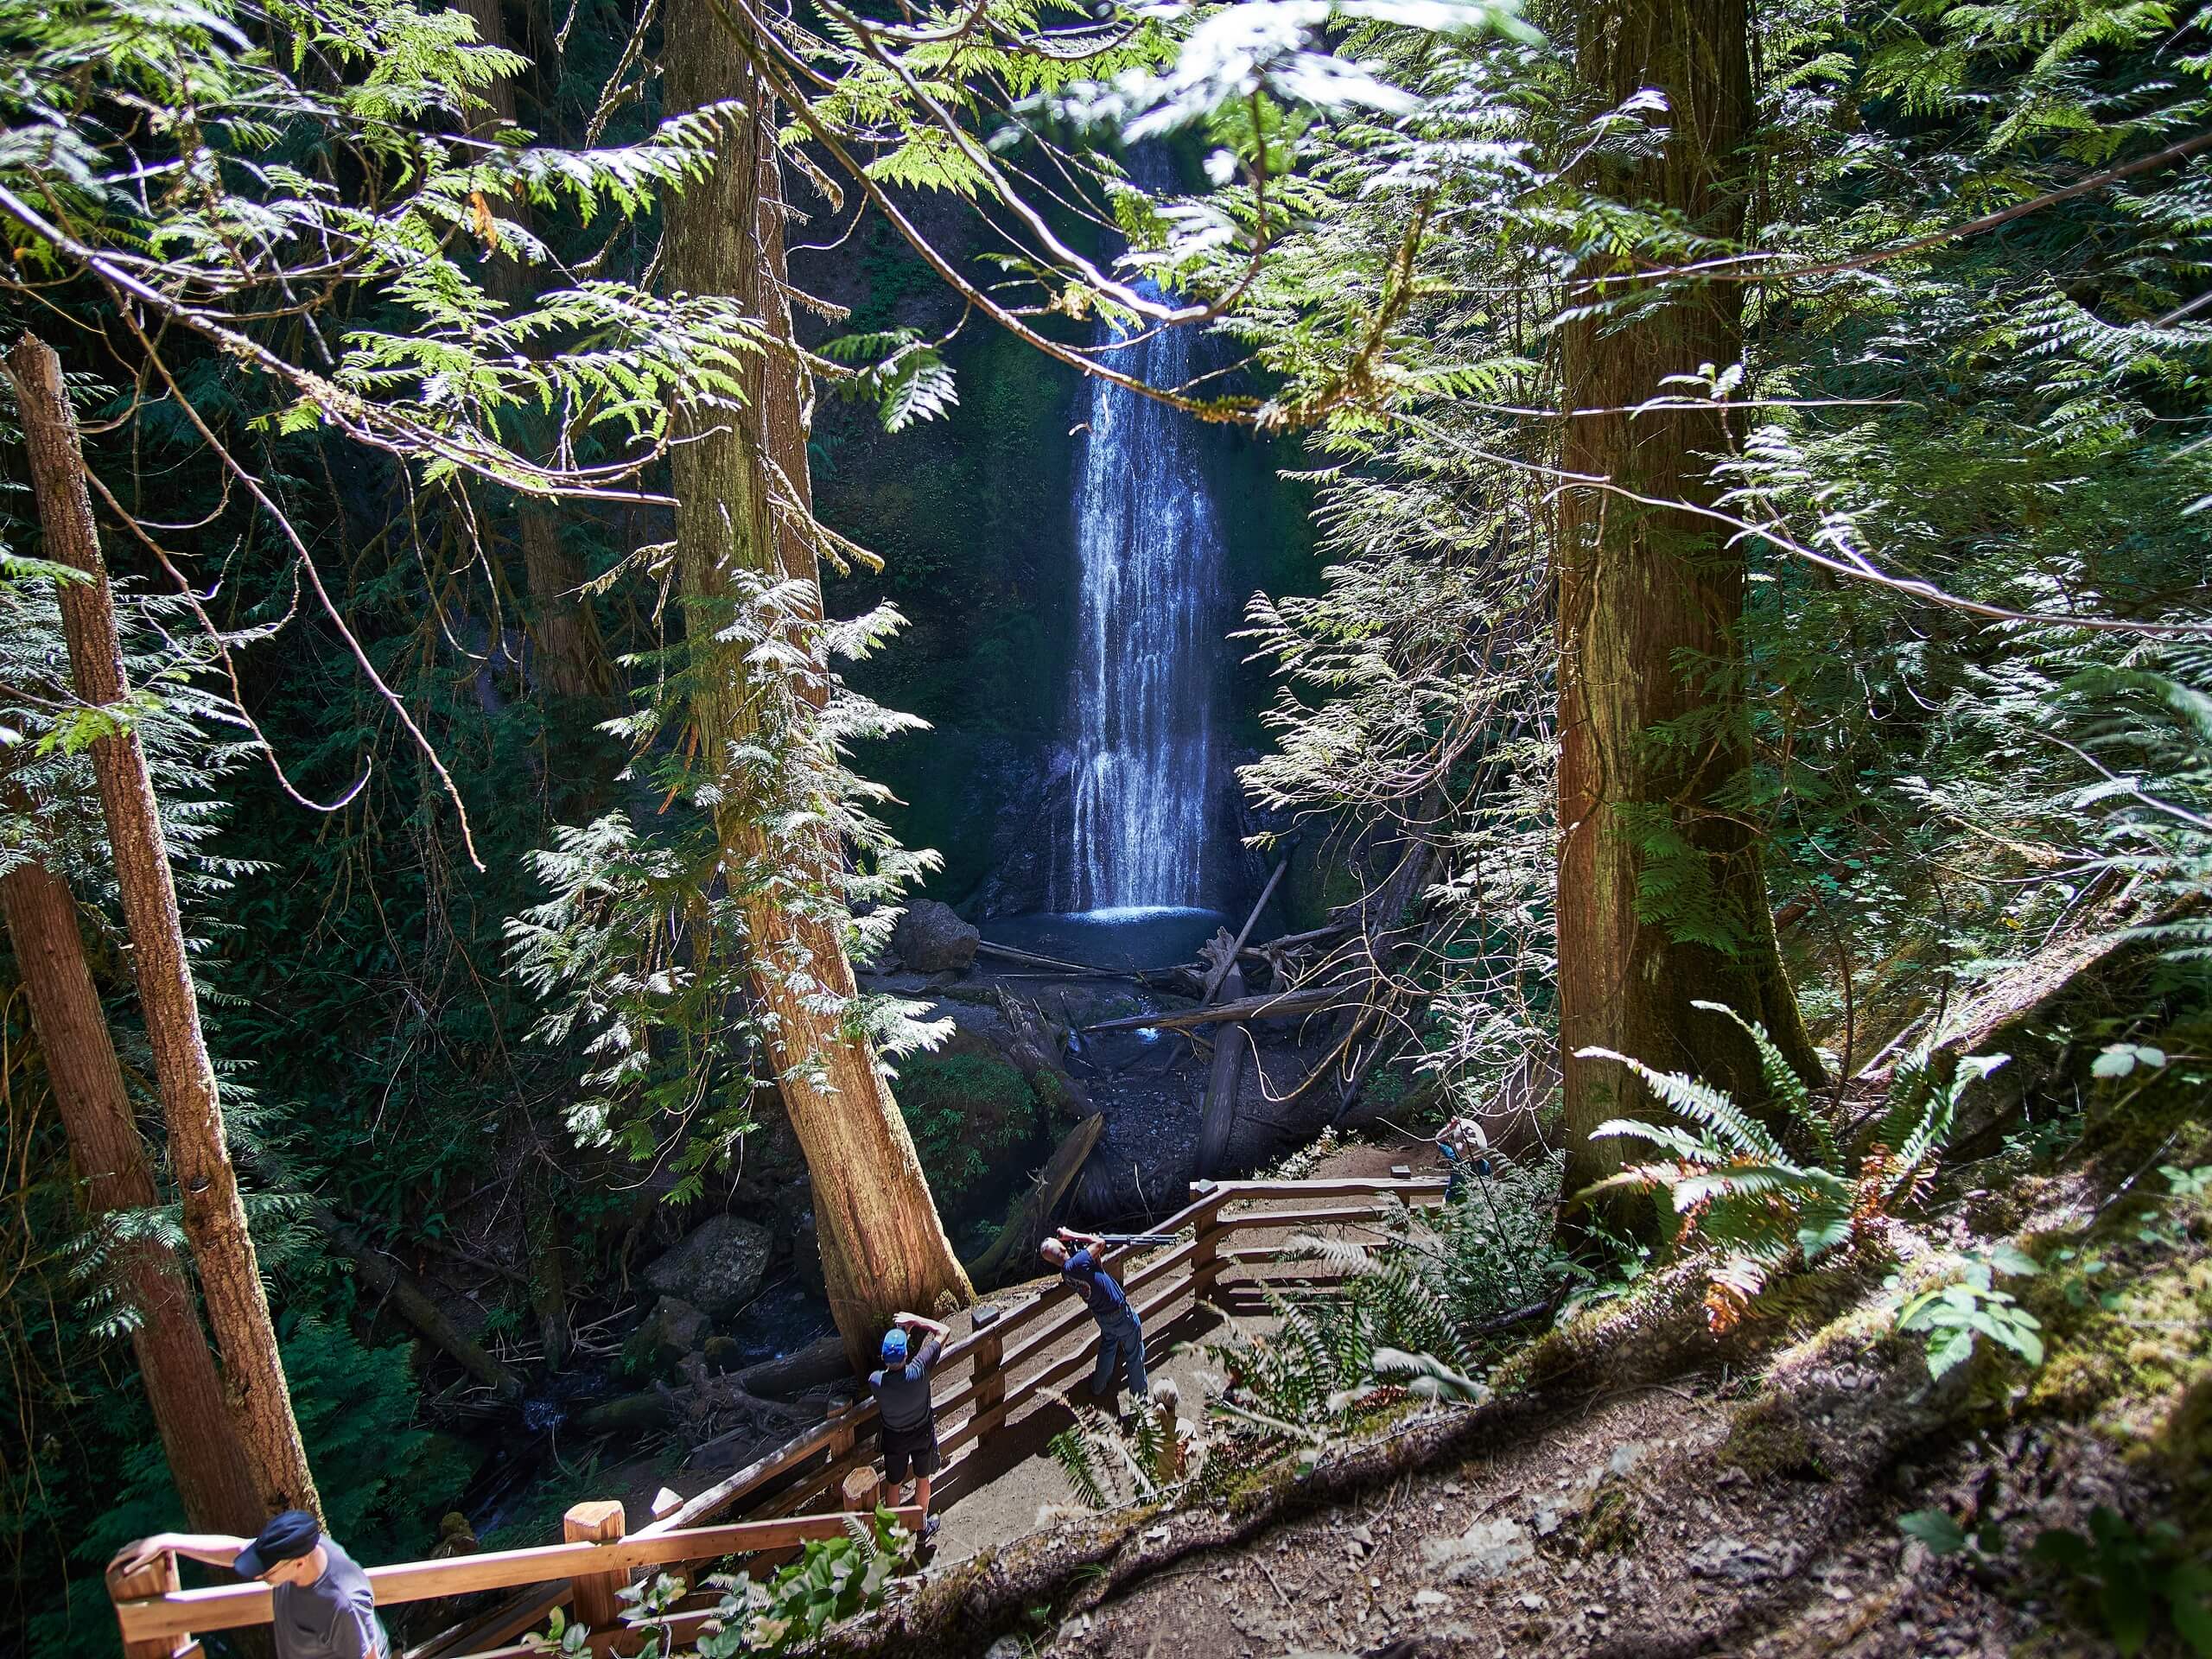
716,1266
932,939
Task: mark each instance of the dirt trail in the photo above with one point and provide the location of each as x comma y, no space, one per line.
1700,1515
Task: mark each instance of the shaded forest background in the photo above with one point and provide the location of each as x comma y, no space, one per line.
1943,781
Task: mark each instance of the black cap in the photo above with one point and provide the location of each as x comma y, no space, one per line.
286,1538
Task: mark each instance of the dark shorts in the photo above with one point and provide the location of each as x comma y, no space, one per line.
902,1446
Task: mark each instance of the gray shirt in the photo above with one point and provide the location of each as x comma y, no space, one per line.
903,1396
334,1618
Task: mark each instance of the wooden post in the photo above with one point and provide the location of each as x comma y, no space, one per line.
1205,1249
596,1596
990,1379
861,1489
157,1578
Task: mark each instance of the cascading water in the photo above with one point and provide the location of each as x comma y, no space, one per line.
1148,542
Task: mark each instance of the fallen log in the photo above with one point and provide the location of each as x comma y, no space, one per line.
1013,1253
1267,948
1275,1005
393,1283
1035,1050
1217,1116
1217,974
407,1299
1075,969
817,1365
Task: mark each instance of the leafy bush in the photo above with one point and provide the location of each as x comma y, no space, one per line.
833,1580
966,1113
2134,1577
1968,1306
1737,1188
1150,1459
1493,1253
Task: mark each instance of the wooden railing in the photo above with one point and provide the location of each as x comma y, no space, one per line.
1011,1360
160,1621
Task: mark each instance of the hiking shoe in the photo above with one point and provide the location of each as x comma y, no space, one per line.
929,1527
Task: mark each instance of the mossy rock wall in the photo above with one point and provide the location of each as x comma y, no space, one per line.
969,1113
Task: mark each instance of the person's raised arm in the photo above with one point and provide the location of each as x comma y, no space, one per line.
215,1548
1087,1241
936,1328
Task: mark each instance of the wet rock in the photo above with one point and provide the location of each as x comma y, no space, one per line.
807,1256
716,1266
1488,1550
932,939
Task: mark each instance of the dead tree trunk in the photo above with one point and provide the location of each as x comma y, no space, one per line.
745,502
1661,893
214,1214
205,1458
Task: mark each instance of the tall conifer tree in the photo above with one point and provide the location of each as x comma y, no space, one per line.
1663,895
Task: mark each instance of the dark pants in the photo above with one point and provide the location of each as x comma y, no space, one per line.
1120,1355
909,1446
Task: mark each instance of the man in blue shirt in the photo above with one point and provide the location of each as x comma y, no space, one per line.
1464,1147
902,1397
1121,1337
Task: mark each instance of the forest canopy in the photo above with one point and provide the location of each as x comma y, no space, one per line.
1737,528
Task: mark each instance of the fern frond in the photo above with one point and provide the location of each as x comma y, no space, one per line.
1703,1104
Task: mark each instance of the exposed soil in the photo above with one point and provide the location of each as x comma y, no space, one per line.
1622,1530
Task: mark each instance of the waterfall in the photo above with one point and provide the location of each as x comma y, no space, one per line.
1148,632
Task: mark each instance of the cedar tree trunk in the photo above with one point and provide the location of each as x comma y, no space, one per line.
214,1214
744,497
205,1458
1650,600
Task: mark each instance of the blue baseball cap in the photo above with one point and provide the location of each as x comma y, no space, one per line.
895,1343
286,1538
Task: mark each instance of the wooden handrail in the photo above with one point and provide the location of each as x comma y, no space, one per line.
229,1607
1027,1331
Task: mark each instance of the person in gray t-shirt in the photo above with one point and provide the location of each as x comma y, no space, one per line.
320,1600
909,1416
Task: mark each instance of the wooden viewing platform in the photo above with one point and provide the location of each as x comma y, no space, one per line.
797,1491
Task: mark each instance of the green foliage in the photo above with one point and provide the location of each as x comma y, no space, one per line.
2135,1580
1148,1460
1968,1307
643,948
966,1112
427,375
833,1580
1738,1188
